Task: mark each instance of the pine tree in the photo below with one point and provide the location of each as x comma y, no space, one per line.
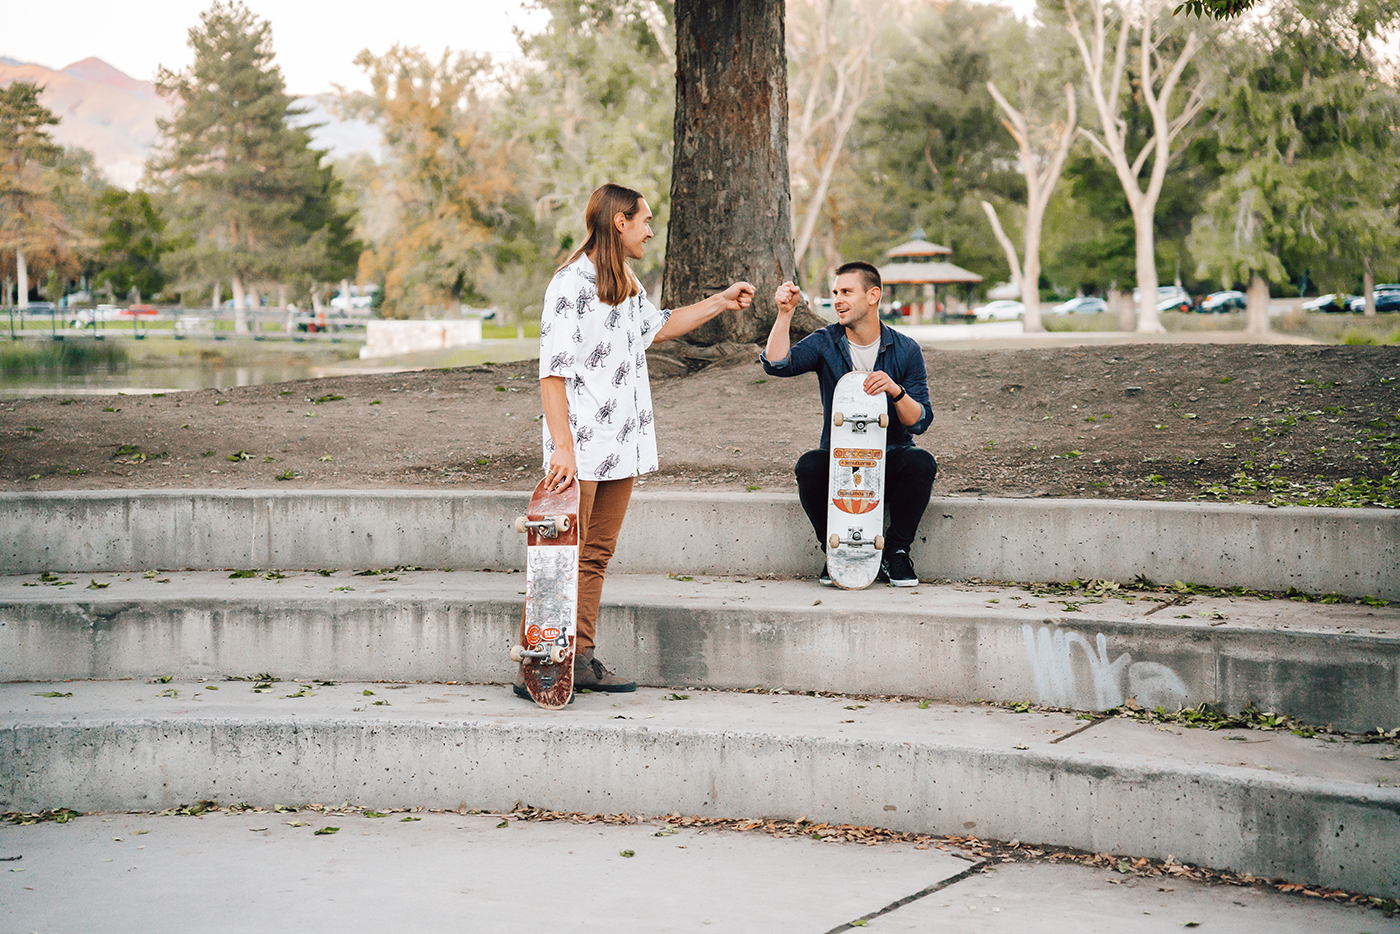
238,172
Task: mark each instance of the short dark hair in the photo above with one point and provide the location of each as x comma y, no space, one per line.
869,275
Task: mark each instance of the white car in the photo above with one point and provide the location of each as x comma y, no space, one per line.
85,317
1085,304
1005,309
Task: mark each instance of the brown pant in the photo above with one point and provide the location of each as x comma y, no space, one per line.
602,504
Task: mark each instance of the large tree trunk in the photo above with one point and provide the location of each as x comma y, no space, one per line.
731,208
1368,288
22,274
1256,307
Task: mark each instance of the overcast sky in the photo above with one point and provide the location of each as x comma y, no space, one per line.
315,42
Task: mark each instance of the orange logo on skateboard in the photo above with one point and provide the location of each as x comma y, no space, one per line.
551,634
532,635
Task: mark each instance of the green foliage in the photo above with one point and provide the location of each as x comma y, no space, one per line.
1306,131
30,217
132,242
593,102
245,186
445,178
931,147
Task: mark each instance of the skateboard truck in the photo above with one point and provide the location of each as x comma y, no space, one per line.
858,422
856,538
554,653
547,528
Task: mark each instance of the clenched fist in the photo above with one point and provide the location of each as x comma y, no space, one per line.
787,296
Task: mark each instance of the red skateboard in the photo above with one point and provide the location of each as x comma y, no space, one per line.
551,595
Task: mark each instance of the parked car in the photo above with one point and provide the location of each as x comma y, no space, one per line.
87,317
1385,301
1181,302
1221,302
1085,304
1004,309
140,311
1331,303
39,308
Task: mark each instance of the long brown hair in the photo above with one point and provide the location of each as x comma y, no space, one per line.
616,283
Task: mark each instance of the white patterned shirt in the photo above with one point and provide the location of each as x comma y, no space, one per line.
600,351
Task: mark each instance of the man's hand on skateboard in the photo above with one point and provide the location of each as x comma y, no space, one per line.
562,469
878,382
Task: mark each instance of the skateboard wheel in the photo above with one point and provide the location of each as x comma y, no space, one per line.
520,524
517,653
556,654
879,543
561,523
835,540
838,419
884,421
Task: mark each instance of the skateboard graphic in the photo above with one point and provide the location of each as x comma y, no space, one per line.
550,526
855,515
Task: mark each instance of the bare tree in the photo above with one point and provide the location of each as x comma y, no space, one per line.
1043,151
833,72
1159,79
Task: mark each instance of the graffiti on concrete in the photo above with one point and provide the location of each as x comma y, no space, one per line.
1060,679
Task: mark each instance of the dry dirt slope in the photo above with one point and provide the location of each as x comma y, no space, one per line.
1281,423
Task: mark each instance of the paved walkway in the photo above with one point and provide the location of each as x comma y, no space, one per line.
236,872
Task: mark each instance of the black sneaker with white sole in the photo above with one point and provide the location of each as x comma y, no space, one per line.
896,568
824,578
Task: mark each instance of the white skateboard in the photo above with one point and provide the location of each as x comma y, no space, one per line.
855,512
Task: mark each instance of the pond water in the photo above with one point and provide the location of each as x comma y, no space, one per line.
187,374
129,379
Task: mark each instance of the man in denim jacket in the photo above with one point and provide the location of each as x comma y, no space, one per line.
858,342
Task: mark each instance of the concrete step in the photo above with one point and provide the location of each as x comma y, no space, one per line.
1355,552
1325,664
1268,804
137,871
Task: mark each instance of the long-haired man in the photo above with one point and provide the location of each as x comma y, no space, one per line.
598,421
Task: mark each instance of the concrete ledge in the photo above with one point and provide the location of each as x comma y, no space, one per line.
1351,551
1324,664
939,771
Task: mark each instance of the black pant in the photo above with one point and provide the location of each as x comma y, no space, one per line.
909,475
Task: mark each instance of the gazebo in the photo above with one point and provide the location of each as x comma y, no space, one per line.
913,275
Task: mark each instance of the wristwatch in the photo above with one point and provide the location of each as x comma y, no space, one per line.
902,393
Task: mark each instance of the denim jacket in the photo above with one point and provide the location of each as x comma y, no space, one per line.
829,353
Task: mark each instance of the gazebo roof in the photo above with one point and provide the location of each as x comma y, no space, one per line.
918,248
918,273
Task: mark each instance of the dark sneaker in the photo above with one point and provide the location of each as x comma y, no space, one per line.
899,570
824,578
593,675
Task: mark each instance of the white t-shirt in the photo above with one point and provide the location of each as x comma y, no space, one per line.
863,355
600,351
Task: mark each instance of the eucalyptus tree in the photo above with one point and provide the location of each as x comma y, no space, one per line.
1172,96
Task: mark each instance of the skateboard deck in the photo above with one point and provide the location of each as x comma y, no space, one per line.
548,620
855,512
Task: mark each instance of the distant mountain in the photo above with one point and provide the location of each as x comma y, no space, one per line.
114,115
111,114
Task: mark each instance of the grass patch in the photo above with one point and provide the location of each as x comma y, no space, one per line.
17,357
506,332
